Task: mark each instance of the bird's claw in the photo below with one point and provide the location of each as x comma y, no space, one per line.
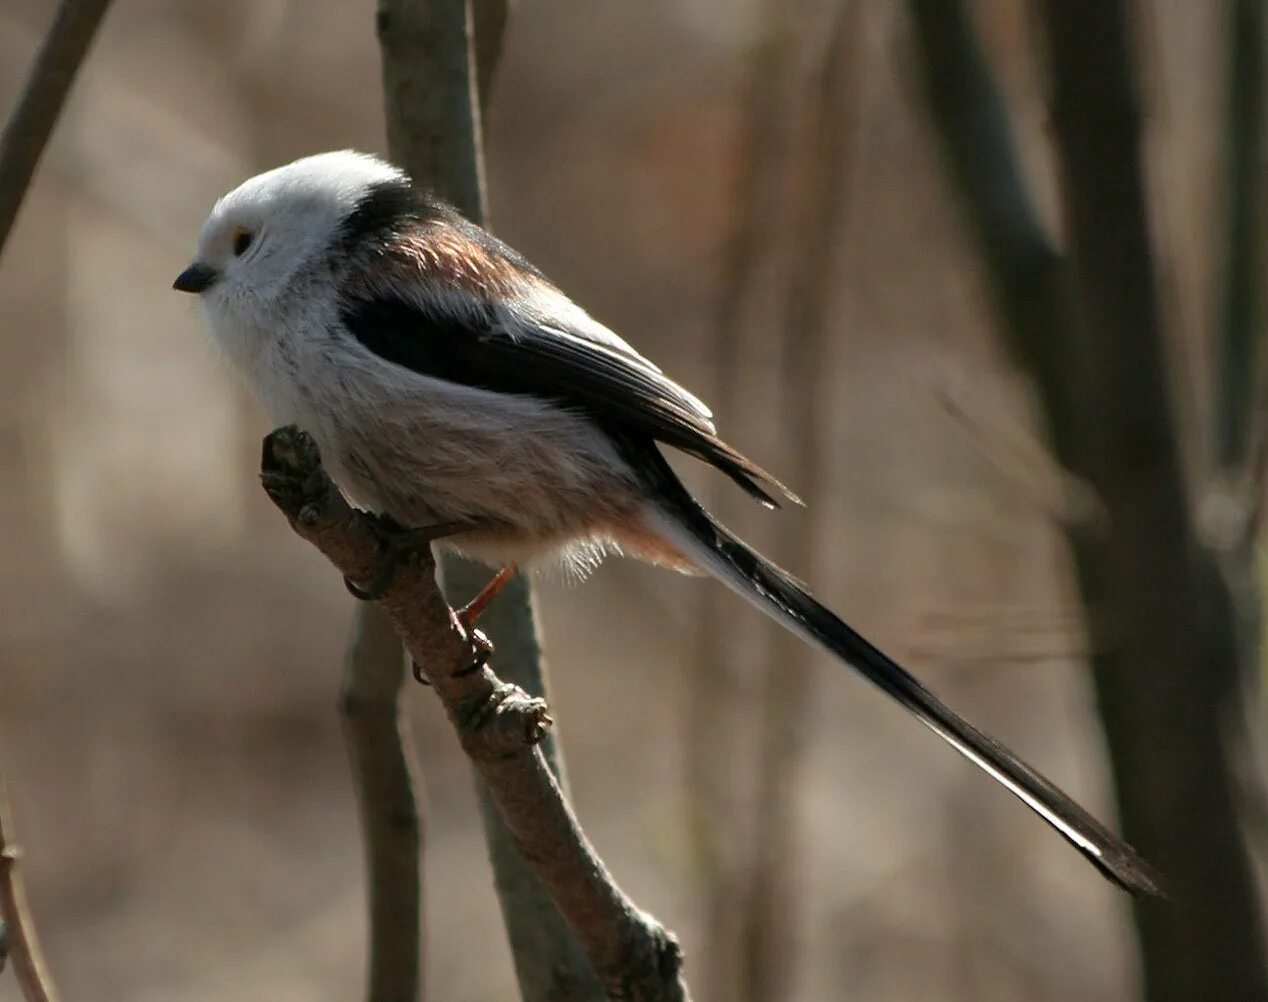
397,545
481,651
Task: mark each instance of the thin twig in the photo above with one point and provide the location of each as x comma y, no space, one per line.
1029,470
21,145
498,725
21,945
41,101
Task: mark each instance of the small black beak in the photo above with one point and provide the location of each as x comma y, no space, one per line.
196,278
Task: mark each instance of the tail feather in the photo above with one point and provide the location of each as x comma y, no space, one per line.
693,531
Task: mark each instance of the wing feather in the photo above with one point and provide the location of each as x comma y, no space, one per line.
467,339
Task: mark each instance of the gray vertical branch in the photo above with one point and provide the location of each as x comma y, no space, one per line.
433,108
384,772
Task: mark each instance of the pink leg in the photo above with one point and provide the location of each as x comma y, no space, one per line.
470,612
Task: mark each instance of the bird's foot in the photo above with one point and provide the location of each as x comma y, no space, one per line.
481,645
472,611
398,545
481,651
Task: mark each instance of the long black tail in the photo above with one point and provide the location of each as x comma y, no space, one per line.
779,595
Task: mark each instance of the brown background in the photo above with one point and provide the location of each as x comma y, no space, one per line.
170,652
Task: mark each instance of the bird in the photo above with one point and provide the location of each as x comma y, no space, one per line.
449,383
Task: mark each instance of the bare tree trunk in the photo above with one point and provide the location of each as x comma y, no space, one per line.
1160,624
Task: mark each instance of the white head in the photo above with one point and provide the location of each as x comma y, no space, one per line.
277,225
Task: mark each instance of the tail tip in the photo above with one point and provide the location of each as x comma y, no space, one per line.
1133,874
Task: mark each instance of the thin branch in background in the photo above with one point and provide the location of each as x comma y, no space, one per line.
385,776
22,144
1024,272
1025,466
40,103
1239,329
1231,512
996,635
498,725
434,128
710,732
436,79
769,937
489,18
21,945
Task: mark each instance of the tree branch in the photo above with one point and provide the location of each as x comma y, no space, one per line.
433,70
20,945
429,87
1026,275
549,961
1163,610
1160,624
1239,333
22,143
498,725
385,776
41,101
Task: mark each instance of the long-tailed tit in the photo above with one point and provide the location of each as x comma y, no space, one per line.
446,380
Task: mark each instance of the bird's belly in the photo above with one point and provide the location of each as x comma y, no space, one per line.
534,479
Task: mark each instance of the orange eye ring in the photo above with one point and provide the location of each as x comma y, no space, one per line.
241,241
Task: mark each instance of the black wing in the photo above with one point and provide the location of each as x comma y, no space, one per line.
540,358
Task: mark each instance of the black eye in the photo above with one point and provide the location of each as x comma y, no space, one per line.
241,241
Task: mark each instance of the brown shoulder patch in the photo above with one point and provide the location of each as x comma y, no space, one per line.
438,254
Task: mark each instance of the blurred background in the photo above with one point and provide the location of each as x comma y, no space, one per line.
171,653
